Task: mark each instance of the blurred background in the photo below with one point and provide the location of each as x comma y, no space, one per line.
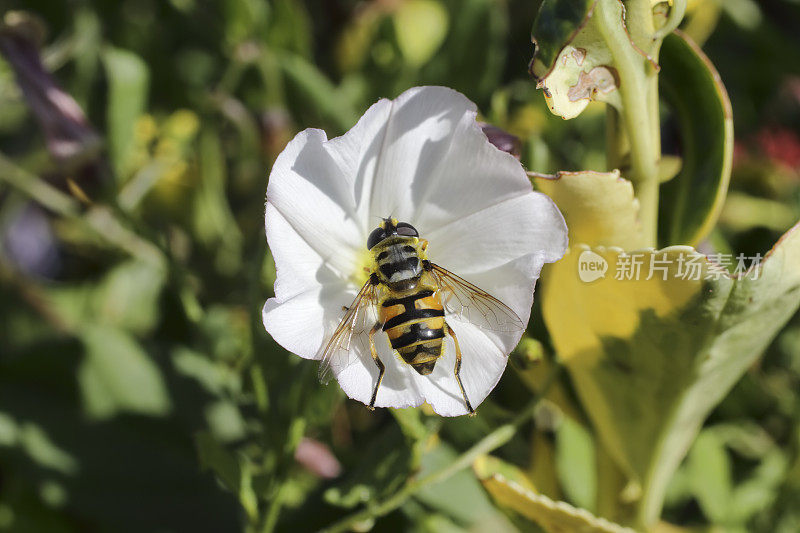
138,389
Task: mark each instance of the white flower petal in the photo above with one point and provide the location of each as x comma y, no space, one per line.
308,188
482,365
295,323
435,165
299,267
303,322
526,224
398,388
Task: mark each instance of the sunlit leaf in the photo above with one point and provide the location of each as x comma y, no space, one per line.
650,358
653,348
600,207
552,516
692,201
487,466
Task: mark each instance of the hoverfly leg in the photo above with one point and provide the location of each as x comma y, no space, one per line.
378,362
458,369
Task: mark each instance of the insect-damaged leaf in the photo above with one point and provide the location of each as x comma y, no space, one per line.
573,61
552,516
692,201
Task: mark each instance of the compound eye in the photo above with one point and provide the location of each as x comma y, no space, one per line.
377,235
407,230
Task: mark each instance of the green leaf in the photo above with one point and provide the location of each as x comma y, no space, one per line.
215,377
459,496
761,489
575,463
235,472
691,202
290,27
116,376
215,457
37,445
214,223
317,91
383,467
556,25
128,82
710,476
552,516
126,297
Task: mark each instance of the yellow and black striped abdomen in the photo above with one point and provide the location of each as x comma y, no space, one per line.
415,326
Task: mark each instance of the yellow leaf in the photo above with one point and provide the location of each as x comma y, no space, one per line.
487,466
599,207
552,516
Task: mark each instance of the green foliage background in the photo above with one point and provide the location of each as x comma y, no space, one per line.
138,389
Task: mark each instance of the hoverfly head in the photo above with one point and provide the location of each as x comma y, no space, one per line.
390,227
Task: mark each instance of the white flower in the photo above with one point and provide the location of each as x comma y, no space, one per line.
421,159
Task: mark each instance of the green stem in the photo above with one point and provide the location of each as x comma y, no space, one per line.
37,189
639,94
674,19
617,145
492,441
274,511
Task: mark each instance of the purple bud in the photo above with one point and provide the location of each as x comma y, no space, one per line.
502,139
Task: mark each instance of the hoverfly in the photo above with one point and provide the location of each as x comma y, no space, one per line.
407,296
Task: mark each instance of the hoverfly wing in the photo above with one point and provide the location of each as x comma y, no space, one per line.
337,352
473,304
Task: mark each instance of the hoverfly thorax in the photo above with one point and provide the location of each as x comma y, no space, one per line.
397,253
